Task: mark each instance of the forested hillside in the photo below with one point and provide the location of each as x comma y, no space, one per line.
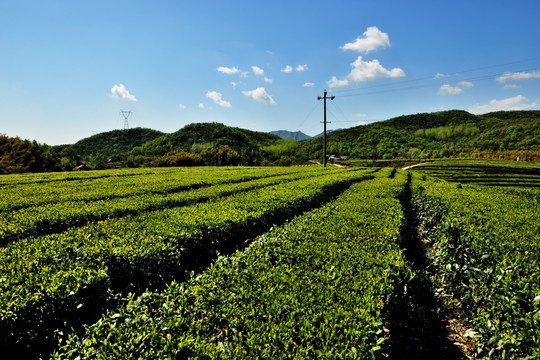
447,134
19,156
111,144
441,134
207,143
199,136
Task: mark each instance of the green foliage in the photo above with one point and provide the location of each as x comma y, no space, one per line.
175,158
46,279
283,147
316,283
282,153
442,134
112,144
20,156
484,172
221,156
37,209
215,134
314,288
448,132
485,246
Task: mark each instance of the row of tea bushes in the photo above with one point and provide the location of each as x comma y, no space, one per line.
160,181
485,245
50,282
484,172
313,288
56,217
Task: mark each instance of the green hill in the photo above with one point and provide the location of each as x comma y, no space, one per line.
195,138
113,144
455,133
441,134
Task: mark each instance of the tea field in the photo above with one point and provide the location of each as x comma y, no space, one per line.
271,262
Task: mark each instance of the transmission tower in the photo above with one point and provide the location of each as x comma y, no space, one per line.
126,115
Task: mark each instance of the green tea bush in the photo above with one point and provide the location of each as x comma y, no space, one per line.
485,245
313,288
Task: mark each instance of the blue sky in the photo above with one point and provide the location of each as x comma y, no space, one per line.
67,68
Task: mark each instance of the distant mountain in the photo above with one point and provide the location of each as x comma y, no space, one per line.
199,136
296,135
109,144
327,132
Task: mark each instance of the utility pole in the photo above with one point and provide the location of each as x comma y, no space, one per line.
324,134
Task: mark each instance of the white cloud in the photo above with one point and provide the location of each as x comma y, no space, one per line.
228,70
519,102
244,74
299,68
216,97
360,115
335,82
257,70
372,40
366,70
234,84
182,106
308,84
447,89
120,92
201,106
260,95
518,76
439,75
369,70
511,86
287,69
267,80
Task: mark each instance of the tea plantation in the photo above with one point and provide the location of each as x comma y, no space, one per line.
297,262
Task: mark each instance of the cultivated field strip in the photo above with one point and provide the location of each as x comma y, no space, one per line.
485,246
49,283
528,193
42,178
57,217
484,172
104,188
313,288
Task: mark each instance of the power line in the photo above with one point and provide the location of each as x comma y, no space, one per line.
335,104
455,73
437,84
308,115
345,117
363,92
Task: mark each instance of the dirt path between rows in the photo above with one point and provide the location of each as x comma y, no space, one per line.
410,166
417,329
